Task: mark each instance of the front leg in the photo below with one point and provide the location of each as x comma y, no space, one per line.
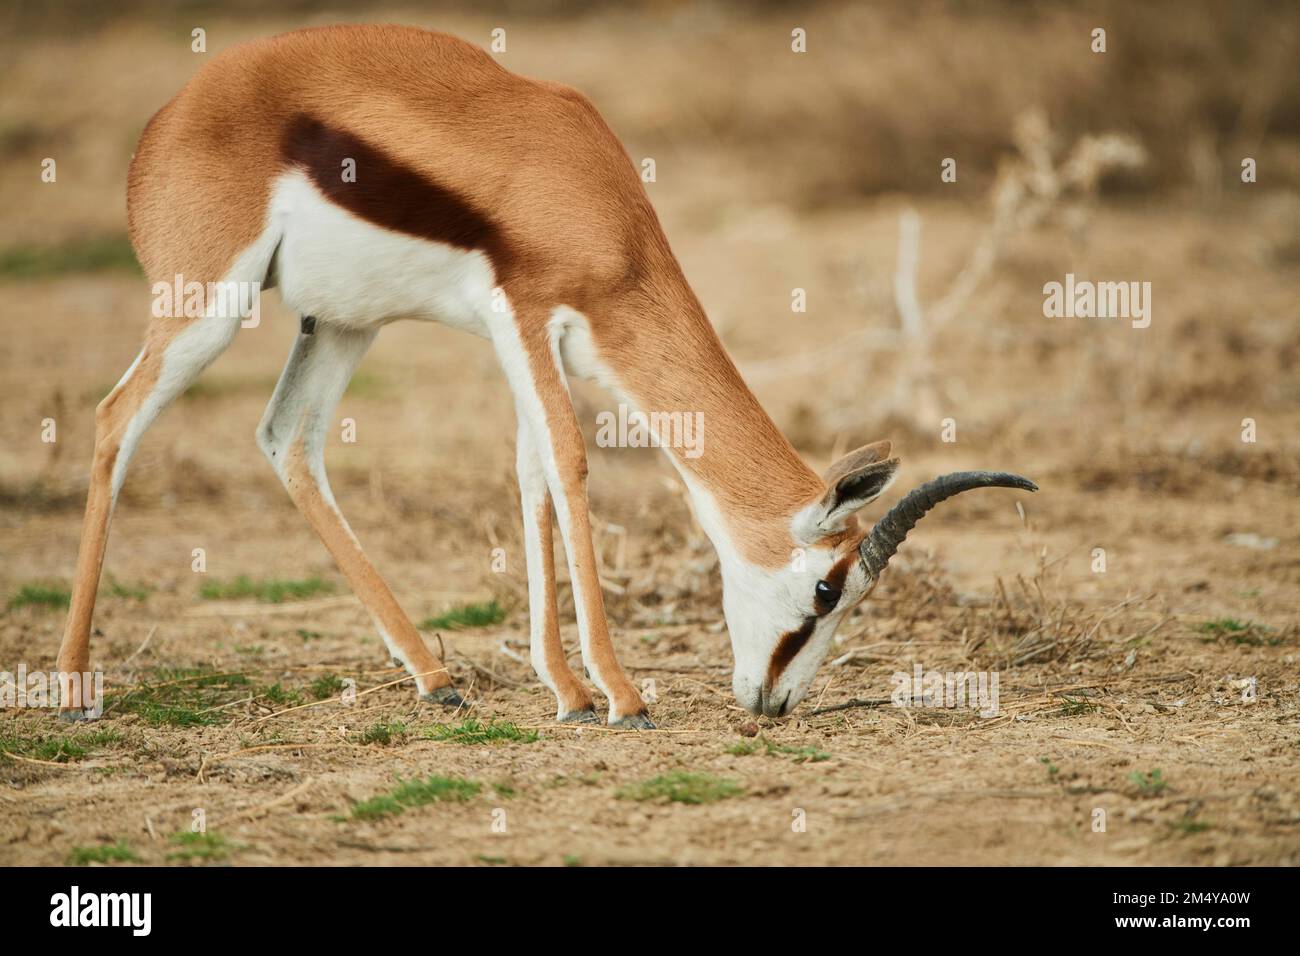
547,649
528,353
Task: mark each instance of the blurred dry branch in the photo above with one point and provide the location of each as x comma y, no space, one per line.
1030,189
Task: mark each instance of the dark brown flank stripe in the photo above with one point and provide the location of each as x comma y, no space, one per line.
387,193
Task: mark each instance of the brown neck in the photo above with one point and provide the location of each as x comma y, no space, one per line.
667,358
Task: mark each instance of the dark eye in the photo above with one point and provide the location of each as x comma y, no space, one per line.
826,598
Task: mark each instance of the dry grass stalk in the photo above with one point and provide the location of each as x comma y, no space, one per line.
1028,191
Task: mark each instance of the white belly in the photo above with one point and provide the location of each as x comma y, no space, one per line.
345,271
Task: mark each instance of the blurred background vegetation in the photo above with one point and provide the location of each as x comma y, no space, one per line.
896,82
775,171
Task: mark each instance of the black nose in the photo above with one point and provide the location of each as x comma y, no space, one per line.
773,707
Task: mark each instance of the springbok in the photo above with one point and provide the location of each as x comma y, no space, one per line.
376,173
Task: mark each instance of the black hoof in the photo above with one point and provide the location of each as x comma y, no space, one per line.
446,696
640,721
587,716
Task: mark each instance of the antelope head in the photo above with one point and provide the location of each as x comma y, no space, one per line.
781,622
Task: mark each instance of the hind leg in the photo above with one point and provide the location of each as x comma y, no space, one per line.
174,353
292,436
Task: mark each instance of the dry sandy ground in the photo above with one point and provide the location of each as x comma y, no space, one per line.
1121,691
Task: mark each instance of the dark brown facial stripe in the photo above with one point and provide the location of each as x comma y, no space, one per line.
387,193
791,643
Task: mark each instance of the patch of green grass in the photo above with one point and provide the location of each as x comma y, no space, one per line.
138,592
307,635
263,737
504,790
1238,632
117,852
58,749
416,793
217,387
1076,707
157,714
279,695
200,676
805,754
41,595
330,685
483,614
201,846
744,748
1150,784
366,384
491,860
474,732
383,733
79,255
271,591
571,860
1223,625
682,787
1187,826
183,697
1052,769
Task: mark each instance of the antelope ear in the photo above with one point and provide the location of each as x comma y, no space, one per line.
853,481
861,457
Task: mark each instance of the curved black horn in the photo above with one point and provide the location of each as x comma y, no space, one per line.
879,546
